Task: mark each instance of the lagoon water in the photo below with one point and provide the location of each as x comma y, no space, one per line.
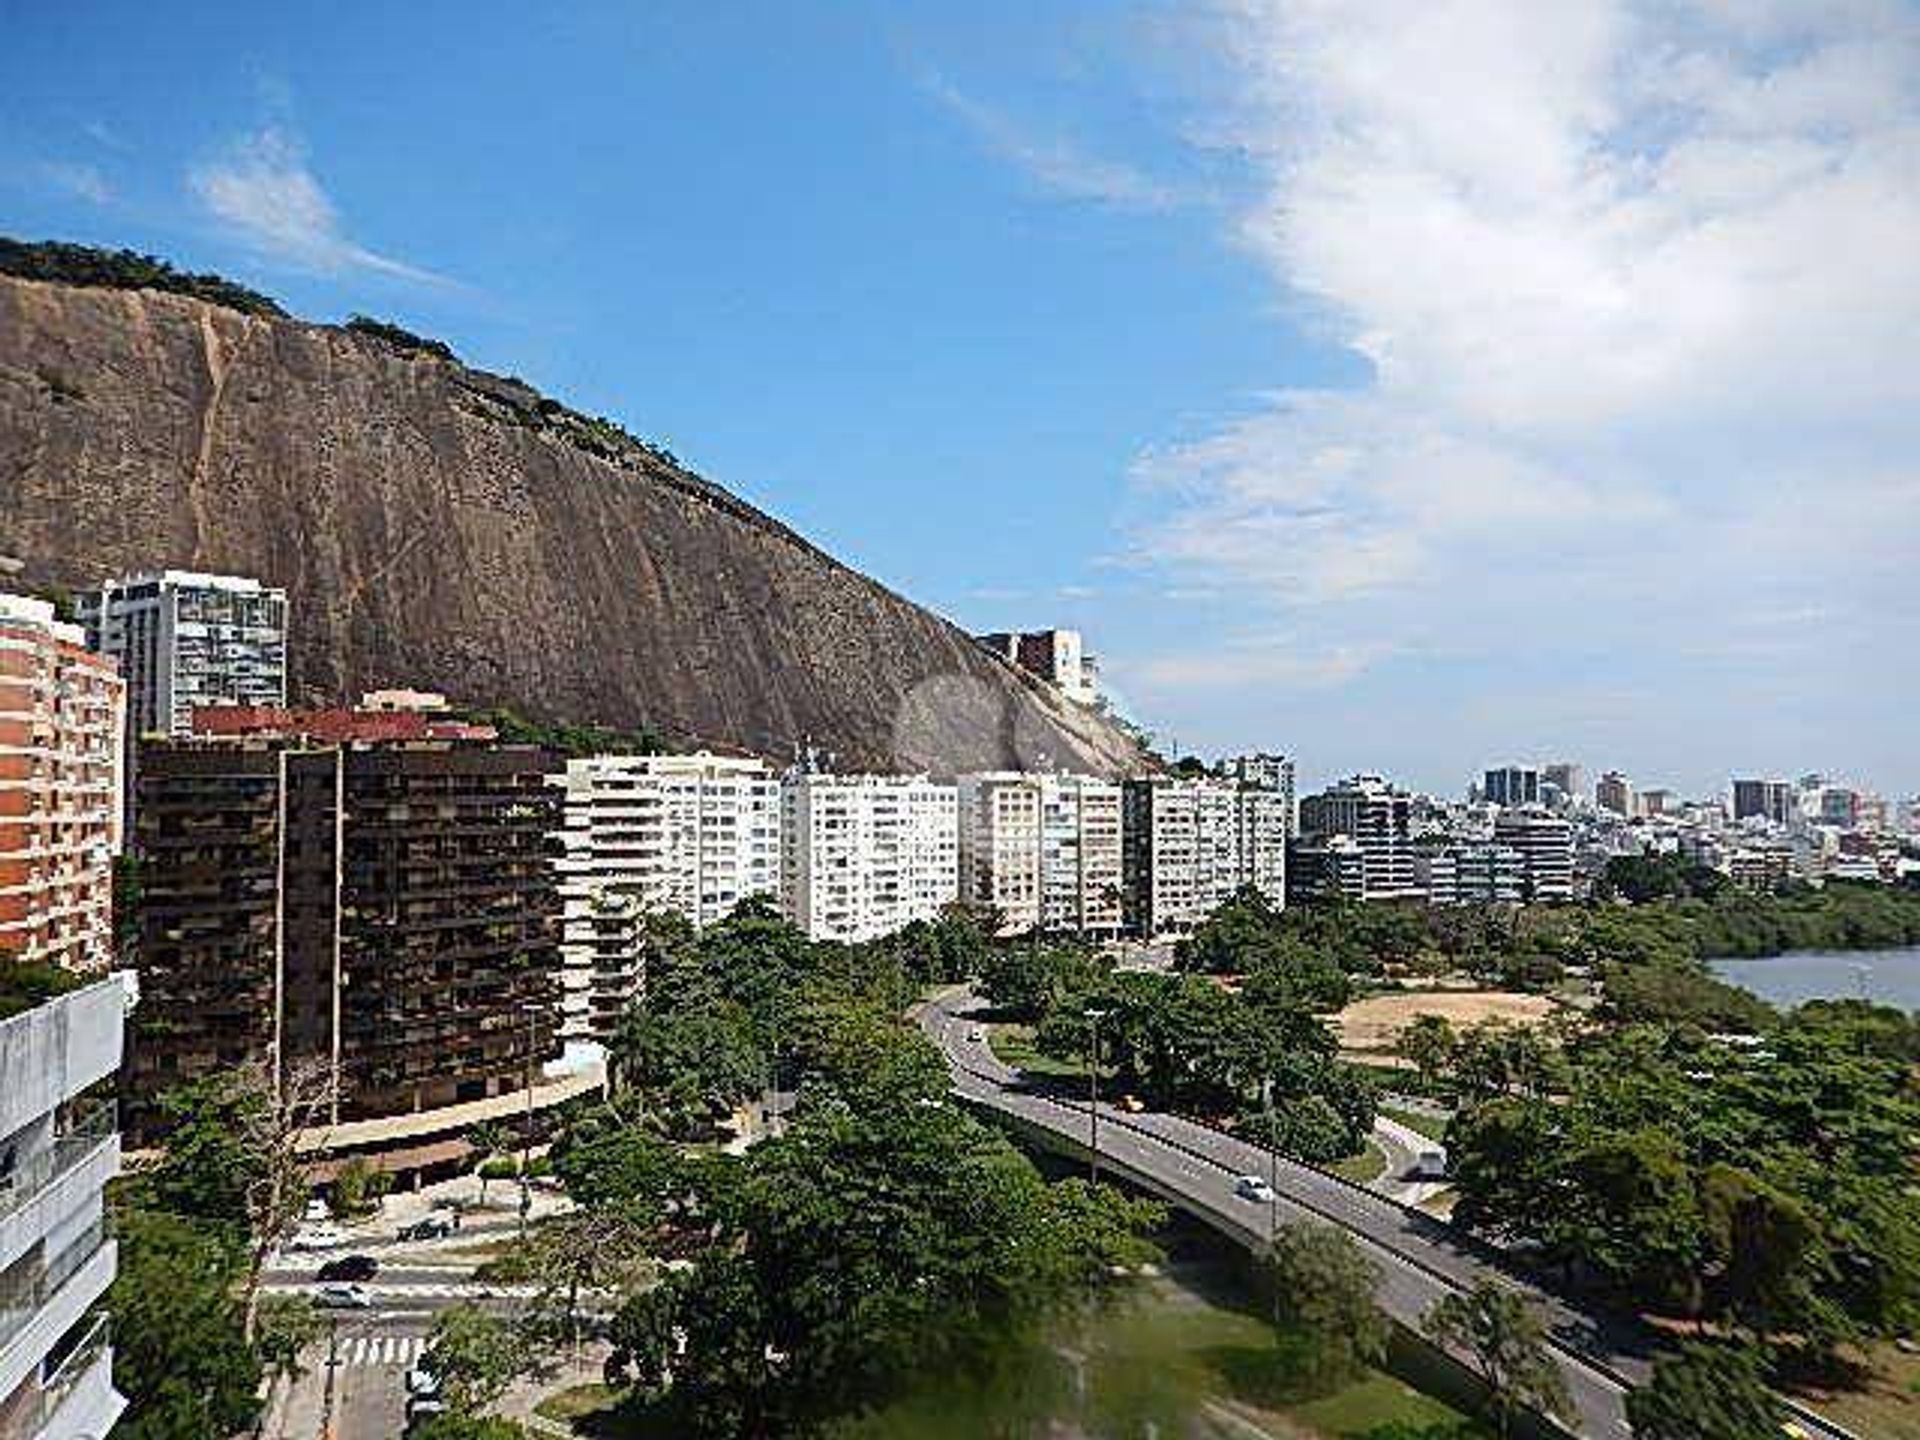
1887,977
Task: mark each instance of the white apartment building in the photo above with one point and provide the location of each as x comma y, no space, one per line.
1044,850
692,835
62,709
1378,819
1266,772
1191,843
58,1150
862,856
1544,843
185,639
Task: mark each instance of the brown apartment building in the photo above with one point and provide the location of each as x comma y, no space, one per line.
341,890
62,712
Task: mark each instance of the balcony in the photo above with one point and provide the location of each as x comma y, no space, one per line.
76,1398
57,1181
47,1300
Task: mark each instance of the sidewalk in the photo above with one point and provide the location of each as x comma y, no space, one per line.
523,1395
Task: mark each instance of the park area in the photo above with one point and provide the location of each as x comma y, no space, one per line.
1371,1026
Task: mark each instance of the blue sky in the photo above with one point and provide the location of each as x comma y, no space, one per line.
1413,388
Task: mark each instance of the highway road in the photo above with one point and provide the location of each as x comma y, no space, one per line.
1420,1258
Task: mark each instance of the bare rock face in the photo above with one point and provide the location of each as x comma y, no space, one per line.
439,527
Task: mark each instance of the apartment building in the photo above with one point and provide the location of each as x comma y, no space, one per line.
1262,771
1613,792
184,640
1544,843
1378,819
861,856
1044,850
1771,800
1491,874
383,911
1056,656
1511,785
1190,844
62,709
689,835
58,1150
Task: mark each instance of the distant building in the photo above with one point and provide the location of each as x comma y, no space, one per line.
1614,792
1544,843
688,835
59,1149
1565,776
1056,656
1378,818
1436,869
1771,800
865,855
1267,772
1511,785
1043,850
1192,843
1490,874
380,911
1761,868
62,709
185,640
1656,802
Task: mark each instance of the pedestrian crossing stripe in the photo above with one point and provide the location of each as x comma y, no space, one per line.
381,1350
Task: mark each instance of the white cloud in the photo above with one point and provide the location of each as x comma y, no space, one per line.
86,181
262,190
1054,161
1641,290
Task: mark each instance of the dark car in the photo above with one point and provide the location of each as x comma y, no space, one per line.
350,1267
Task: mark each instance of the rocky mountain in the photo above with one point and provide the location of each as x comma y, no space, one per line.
441,527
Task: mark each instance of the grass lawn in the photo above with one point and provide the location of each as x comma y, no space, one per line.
1431,1126
1013,1043
1887,1407
577,1402
1369,1164
1375,1403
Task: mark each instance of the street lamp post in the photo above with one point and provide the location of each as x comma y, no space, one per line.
1094,1016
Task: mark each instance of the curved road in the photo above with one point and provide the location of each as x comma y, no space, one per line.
1420,1258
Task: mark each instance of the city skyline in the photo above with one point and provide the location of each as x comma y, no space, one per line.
1318,484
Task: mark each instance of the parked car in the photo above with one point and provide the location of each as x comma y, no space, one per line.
317,1237
1430,1163
421,1408
976,1036
343,1297
1252,1187
434,1225
350,1267
318,1212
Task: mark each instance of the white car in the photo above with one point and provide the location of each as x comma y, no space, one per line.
1252,1187
343,1297
317,1237
976,1036
423,1384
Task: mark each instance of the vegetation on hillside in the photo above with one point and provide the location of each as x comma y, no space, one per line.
124,270
391,334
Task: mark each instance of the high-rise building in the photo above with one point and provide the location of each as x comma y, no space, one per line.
690,835
1378,818
862,856
185,640
1614,792
1491,874
1569,779
1056,656
1043,850
1511,785
378,912
1771,800
1190,844
62,709
1267,772
1544,843
1656,802
1436,868
58,1150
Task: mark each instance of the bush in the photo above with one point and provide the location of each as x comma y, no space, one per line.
124,270
398,338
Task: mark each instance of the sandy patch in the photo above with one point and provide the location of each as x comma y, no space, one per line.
1376,1022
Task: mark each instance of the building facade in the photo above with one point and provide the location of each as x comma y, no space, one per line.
381,913
1190,844
62,712
1043,850
688,835
862,856
1378,819
1613,792
1511,785
1544,843
1056,656
1770,800
185,640
58,1150
1267,772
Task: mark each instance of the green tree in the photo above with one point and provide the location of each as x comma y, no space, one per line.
1325,1288
1707,1391
1504,1337
1428,1044
476,1355
180,1350
454,1425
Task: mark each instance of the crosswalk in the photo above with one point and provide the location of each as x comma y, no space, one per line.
381,1351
